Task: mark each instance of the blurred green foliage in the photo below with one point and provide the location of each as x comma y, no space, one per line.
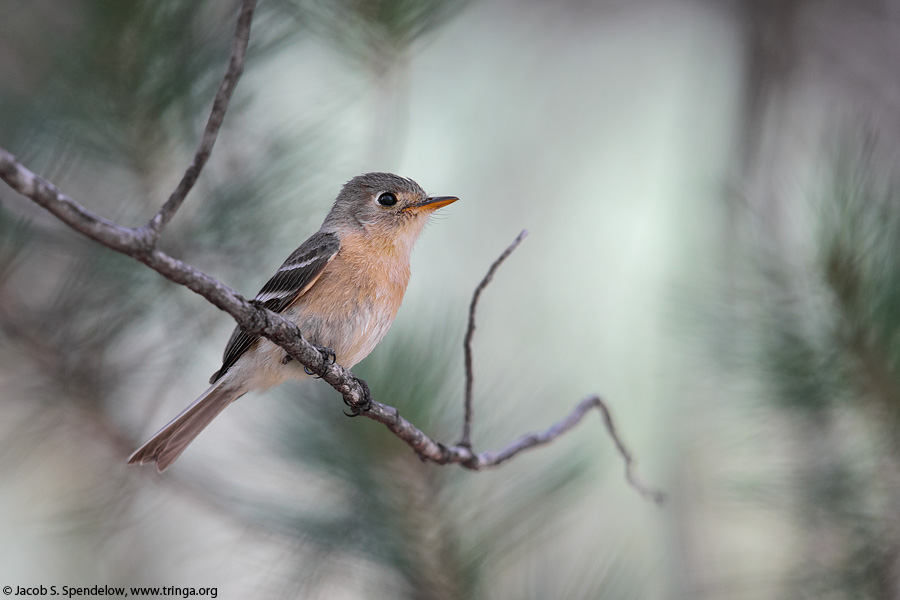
828,353
373,33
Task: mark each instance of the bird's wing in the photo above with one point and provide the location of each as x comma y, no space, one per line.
298,273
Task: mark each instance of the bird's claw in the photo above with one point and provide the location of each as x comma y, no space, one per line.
364,405
327,354
328,358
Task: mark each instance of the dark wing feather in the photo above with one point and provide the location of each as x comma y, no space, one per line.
293,278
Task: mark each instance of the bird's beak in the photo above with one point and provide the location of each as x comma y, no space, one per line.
430,204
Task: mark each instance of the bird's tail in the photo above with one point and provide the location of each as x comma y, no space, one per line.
170,441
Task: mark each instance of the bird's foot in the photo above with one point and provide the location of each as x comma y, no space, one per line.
328,358
328,354
364,405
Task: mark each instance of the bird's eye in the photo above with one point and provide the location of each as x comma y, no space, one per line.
387,199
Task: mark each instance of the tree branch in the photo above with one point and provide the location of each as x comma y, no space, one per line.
65,209
112,235
428,449
213,124
466,439
140,244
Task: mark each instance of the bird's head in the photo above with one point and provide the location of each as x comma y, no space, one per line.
384,207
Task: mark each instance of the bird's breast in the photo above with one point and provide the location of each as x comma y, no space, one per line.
353,304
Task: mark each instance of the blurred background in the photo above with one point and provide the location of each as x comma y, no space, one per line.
711,191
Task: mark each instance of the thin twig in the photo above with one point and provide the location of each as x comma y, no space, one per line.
213,124
655,495
466,439
430,450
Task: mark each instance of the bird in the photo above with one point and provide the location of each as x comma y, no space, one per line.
342,287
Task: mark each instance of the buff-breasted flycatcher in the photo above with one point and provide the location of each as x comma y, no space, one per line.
342,287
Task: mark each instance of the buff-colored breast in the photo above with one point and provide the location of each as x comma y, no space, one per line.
349,309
